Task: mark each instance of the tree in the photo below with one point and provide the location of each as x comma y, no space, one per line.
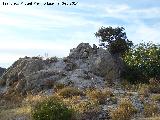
143,62
114,39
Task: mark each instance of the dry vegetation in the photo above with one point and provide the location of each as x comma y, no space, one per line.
125,111
85,104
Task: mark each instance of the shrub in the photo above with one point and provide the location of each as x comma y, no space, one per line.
70,92
156,97
154,85
126,85
154,89
31,100
150,109
59,86
144,90
142,62
84,109
99,96
51,109
124,111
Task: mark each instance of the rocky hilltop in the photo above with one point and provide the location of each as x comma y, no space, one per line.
81,81
85,67
2,70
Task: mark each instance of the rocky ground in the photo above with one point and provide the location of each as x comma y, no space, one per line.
91,71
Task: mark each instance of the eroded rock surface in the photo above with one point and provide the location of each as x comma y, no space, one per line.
85,67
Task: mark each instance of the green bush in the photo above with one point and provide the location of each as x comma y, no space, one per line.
51,109
142,62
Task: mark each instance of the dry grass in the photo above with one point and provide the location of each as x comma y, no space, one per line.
150,109
83,108
99,95
124,111
19,112
70,92
152,118
144,90
32,99
156,97
59,86
84,103
14,106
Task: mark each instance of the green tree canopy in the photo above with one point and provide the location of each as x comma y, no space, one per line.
114,39
143,61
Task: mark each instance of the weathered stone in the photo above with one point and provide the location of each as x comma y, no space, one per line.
85,67
83,50
70,66
83,79
97,60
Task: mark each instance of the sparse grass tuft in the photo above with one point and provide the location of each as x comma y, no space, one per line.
124,111
156,97
99,95
70,92
19,112
59,86
150,109
144,90
84,109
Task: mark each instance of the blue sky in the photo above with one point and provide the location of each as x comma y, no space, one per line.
36,30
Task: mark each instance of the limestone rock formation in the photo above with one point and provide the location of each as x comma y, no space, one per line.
97,60
85,67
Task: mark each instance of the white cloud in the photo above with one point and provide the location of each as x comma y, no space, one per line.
121,11
40,19
147,34
50,19
117,9
27,44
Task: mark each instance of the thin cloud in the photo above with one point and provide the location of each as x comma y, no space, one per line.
25,28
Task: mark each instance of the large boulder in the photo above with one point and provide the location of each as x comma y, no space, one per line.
97,60
85,67
16,74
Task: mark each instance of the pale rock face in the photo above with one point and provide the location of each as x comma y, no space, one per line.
96,60
83,79
85,67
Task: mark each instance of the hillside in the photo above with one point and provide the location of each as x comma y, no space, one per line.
87,80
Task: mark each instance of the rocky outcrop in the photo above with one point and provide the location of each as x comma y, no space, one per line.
85,67
97,60
2,70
